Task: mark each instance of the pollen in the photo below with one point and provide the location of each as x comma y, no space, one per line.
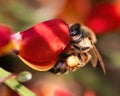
72,61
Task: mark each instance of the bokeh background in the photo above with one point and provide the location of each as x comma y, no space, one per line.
102,16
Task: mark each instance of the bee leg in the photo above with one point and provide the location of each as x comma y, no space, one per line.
69,69
84,58
88,55
59,68
80,60
64,56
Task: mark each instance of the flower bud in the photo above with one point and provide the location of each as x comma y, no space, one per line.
40,45
24,76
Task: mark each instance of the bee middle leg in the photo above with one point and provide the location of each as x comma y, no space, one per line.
84,58
65,64
59,68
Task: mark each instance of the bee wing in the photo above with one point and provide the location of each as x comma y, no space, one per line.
99,59
94,58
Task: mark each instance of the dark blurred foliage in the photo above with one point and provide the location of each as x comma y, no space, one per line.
87,81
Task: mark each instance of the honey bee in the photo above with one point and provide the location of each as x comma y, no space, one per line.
80,50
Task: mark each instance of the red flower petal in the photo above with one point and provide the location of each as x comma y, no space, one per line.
5,33
42,43
5,41
104,18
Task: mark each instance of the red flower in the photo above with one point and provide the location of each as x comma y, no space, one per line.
40,45
104,17
75,11
5,34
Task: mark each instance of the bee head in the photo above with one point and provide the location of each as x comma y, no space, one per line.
77,32
77,29
80,32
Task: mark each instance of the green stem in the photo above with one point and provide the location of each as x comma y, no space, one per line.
15,85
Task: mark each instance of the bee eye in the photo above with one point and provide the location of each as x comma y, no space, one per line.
74,33
74,29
